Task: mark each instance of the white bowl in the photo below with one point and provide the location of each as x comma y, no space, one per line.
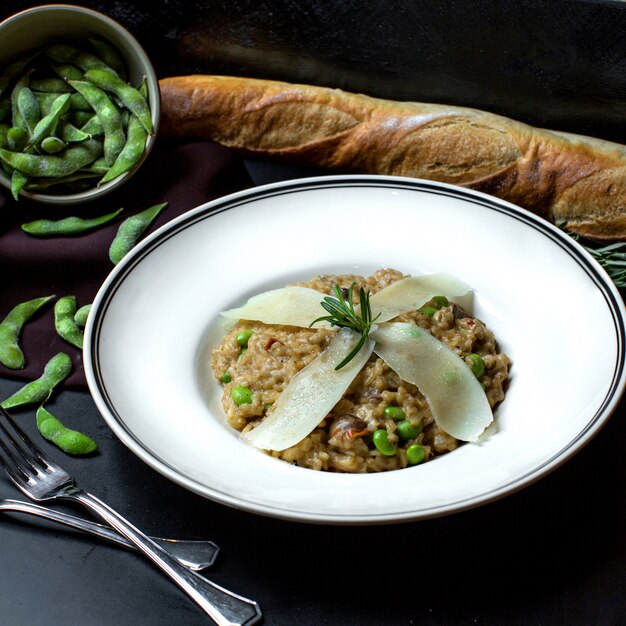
37,27
552,307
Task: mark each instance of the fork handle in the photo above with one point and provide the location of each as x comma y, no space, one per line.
224,607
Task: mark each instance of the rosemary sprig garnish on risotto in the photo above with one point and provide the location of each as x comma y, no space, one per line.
343,314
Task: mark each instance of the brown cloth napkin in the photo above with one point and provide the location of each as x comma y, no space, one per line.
183,174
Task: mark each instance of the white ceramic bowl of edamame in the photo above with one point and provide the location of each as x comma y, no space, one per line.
27,36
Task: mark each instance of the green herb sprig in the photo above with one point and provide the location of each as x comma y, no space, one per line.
343,314
611,257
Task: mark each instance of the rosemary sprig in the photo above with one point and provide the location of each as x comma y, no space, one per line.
343,314
611,257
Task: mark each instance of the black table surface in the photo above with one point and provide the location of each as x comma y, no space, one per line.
553,553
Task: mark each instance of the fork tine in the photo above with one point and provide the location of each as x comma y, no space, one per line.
38,453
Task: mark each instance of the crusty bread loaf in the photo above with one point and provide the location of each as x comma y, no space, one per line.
569,179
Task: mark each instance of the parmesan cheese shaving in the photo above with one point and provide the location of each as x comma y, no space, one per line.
410,293
290,306
457,400
311,394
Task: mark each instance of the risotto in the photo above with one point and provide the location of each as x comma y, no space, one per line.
256,361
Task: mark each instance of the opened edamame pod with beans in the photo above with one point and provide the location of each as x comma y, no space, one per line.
396,373
70,120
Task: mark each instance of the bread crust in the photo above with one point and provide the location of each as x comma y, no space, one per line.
571,180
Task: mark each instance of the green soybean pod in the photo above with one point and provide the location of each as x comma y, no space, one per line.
80,317
68,132
16,138
46,124
64,323
136,137
54,166
130,97
66,54
52,145
11,326
39,184
18,120
109,55
28,107
130,231
4,140
70,441
67,71
18,182
67,226
57,369
12,72
50,85
109,116
92,126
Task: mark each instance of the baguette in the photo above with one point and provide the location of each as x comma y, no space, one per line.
571,180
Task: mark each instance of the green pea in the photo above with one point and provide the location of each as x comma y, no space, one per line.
130,231
11,355
80,317
243,337
130,97
440,301
396,413
406,430
428,310
382,443
415,454
476,364
64,323
225,377
56,370
70,441
67,226
241,395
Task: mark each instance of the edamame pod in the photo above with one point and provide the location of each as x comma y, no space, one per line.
57,369
67,226
28,107
130,97
109,55
70,441
53,145
109,116
130,231
55,166
18,119
131,153
66,327
63,53
11,354
18,181
82,314
46,124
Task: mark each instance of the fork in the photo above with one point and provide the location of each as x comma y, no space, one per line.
40,478
195,555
